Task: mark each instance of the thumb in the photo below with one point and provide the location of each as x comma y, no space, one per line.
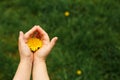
21,37
53,42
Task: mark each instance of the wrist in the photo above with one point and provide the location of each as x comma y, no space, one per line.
39,60
39,63
26,60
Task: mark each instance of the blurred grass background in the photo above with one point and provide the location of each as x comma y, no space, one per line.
89,38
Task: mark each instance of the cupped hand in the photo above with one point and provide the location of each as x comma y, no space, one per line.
25,52
47,45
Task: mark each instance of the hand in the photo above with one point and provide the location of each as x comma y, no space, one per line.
47,45
25,52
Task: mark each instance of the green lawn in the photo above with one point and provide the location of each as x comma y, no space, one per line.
89,38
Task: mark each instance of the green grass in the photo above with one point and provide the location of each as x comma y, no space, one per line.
89,39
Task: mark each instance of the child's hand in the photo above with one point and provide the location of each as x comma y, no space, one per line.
25,52
47,45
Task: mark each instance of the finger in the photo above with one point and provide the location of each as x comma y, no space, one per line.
43,34
30,32
53,42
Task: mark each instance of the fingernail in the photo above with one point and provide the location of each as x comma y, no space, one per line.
20,32
56,38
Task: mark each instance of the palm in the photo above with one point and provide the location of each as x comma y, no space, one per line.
25,49
43,51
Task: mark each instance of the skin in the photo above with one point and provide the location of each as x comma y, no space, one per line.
37,60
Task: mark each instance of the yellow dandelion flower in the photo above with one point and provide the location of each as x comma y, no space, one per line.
78,72
67,13
34,44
